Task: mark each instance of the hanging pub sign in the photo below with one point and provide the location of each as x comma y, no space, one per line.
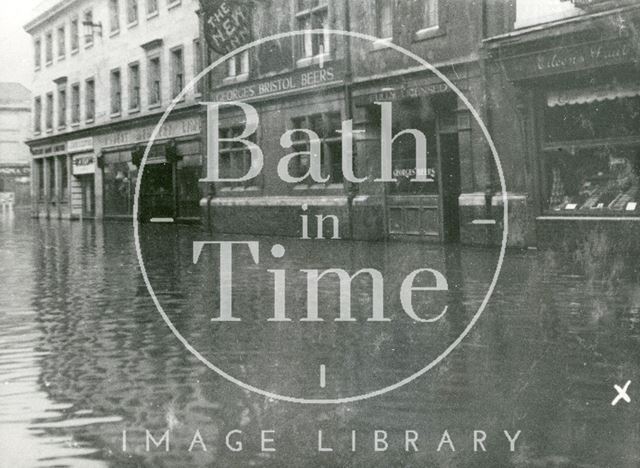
227,24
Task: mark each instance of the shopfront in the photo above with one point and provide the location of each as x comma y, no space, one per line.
83,161
51,171
582,105
170,184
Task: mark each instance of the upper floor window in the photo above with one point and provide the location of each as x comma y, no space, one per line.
90,100
197,63
132,11
62,106
238,65
152,7
49,117
154,72
49,47
429,14
37,115
327,146
134,86
88,18
114,15
61,42
177,71
312,14
384,19
75,35
75,103
116,92
37,51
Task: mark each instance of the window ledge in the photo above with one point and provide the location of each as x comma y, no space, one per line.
62,128
133,24
153,14
115,115
428,33
381,44
115,32
89,121
61,58
154,106
134,110
49,63
37,68
75,51
75,124
37,132
88,45
306,61
49,130
235,79
174,4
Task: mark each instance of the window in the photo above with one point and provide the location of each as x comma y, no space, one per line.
197,63
384,19
114,15
177,71
62,106
155,97
132,11
325,126
134,86
312,14
116,92
429,14
75,35
75,103
235,157
49,47
152,7
61,43
49,118
37,51
88,18
37,115
238,65
90,100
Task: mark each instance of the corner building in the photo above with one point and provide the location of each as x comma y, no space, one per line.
104,73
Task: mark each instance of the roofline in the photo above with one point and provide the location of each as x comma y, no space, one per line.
47,14
559,23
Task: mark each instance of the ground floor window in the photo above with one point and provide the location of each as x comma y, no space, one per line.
40,178
326,126
594,180
235,158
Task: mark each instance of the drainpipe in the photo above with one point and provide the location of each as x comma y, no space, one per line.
352,188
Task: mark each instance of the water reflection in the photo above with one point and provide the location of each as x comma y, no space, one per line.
85,356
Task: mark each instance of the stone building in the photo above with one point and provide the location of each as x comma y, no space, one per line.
15,118
315,81
104,73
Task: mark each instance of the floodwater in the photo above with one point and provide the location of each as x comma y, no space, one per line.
85,354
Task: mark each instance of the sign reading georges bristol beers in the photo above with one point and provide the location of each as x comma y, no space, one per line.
418,309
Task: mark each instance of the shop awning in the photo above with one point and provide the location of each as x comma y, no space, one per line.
588,95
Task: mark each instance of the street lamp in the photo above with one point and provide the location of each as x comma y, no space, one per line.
89,27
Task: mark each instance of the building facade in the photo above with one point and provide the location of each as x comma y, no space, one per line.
104,73
15,125
566,79
315,81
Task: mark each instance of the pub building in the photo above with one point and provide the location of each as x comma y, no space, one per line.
574,89
315,82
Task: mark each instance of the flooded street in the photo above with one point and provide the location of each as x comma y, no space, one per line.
85,355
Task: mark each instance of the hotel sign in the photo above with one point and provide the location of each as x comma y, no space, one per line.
570,59
297,81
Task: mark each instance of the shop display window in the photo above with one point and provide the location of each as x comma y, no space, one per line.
594,181
119,184
235,158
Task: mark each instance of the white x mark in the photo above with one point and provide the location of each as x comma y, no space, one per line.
622,394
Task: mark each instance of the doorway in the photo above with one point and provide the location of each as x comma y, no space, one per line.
157,197
87,188
450,170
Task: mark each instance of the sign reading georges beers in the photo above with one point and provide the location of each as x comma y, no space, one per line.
306,321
